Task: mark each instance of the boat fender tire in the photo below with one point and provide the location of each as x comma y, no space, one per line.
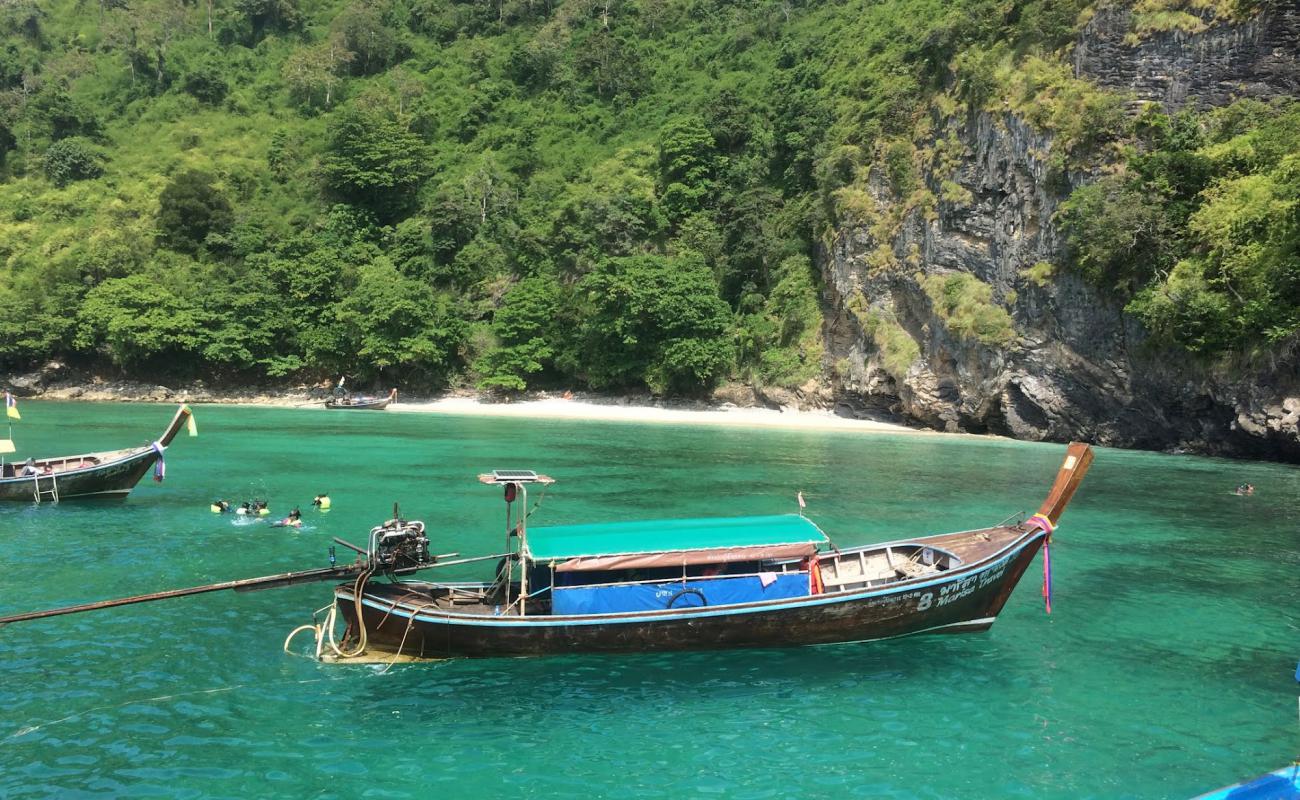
704,601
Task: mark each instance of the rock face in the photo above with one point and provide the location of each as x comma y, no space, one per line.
1078,367
1258,58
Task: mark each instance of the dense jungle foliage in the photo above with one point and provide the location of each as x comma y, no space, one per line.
1202,230
530,193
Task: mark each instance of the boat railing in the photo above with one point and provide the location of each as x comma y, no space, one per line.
62,464
785,570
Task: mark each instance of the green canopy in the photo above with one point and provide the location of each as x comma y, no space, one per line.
739,535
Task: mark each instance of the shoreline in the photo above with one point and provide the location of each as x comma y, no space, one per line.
540,405
585,409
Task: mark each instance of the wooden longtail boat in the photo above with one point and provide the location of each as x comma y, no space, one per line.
686,584
658,585
108,475
360,403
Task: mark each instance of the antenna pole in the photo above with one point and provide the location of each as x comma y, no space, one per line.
523,538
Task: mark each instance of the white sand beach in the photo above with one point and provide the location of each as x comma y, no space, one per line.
556,408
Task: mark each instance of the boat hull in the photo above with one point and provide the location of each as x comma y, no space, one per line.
378,405
962,600
113,480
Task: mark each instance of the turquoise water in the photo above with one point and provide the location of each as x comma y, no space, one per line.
1166,668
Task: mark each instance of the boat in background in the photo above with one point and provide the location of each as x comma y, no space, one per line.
361,402
694,584
108,474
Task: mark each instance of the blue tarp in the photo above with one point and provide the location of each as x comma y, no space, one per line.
656,596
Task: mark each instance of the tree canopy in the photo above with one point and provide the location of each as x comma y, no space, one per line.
513,195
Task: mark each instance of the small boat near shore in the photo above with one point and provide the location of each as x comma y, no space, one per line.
104,475
361,402
693,584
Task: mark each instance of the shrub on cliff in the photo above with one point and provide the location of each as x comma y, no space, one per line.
73,159
965,304
1203,233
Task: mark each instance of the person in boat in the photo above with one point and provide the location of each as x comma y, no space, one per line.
29,468
321,501
294,520
221,507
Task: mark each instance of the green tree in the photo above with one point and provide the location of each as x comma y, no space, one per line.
137,321
526,330
613,213
397,327
317,70
657,321
687,166
1116,233
365,33
190,209
74,159
258,18
374,161
206,81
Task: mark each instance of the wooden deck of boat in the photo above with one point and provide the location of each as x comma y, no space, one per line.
431,596
975,545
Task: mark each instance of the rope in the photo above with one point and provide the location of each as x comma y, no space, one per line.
410,623
313,628
324,632
538,504
362,640
329,628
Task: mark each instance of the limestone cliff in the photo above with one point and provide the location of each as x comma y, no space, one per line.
1062,361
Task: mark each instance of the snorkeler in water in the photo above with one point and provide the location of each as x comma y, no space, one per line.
294,520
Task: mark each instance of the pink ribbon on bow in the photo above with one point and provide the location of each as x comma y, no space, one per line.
1041,522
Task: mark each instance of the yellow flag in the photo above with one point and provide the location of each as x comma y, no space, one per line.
189,423
11,406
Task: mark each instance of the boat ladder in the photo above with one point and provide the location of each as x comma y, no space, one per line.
50,490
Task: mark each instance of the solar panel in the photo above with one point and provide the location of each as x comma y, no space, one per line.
499,476
521,475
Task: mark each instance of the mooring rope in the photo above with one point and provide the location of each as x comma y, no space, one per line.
410,623
362,639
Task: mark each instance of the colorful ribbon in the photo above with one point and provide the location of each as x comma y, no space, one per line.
1047,574
159,466
1041,522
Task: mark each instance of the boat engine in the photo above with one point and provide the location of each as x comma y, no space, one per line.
399,544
